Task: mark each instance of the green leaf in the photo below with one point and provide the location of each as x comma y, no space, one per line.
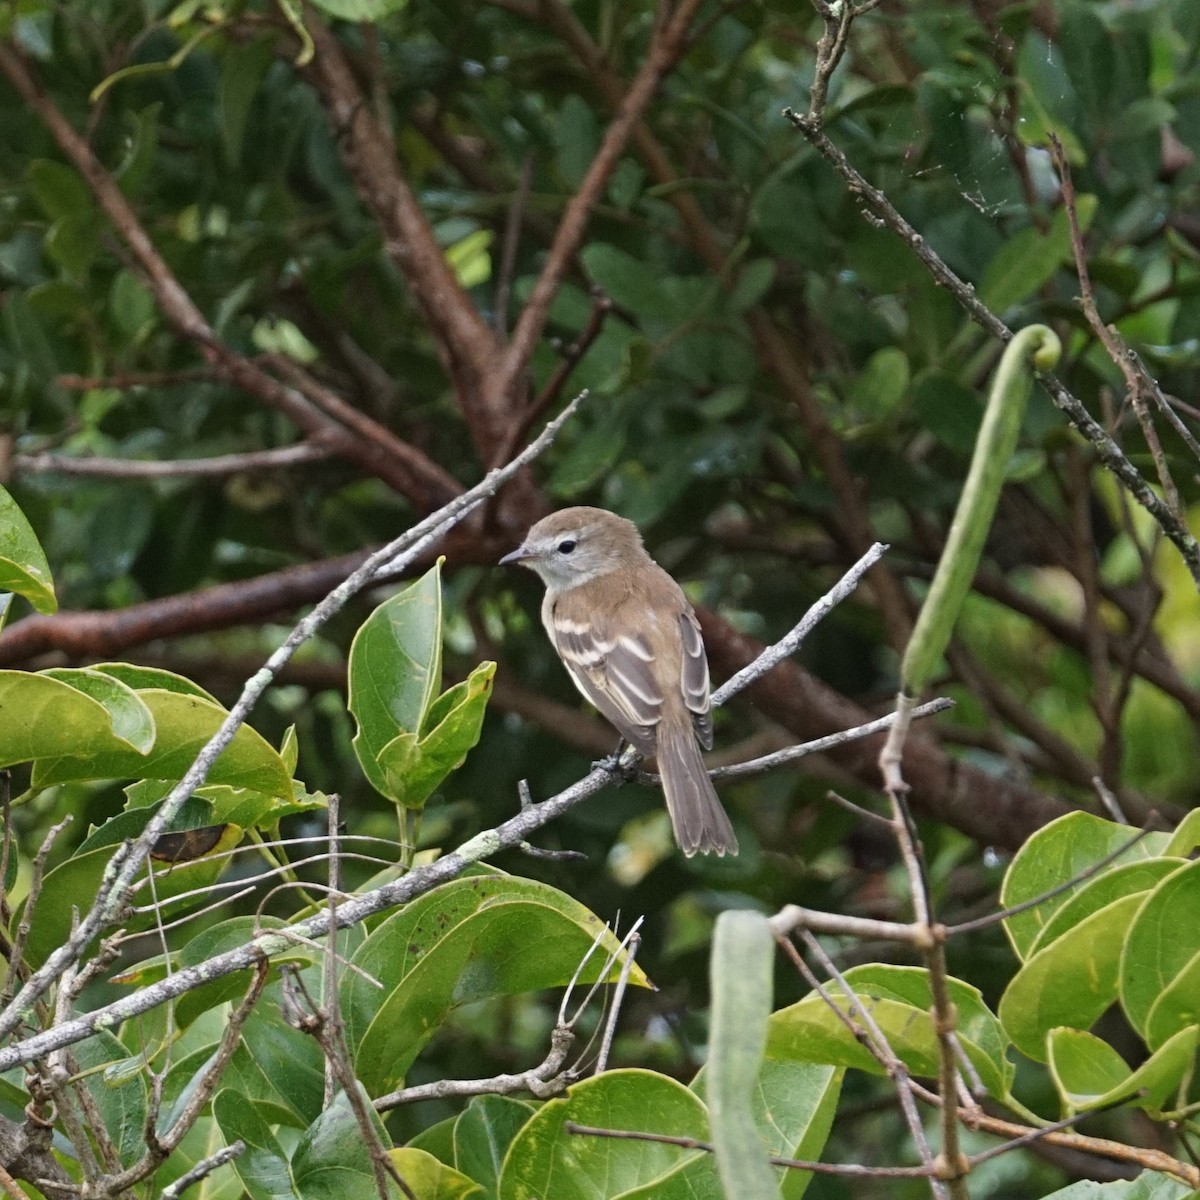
1177,1008
547,1161
142,678
278,1066
132,721
1101,890
454,720
1186,837
263,1167
200,1143
44,717
899,999
1149,1185
1071,982
395,670
1031,257
121,1104
1161,944
883,384
740,979
217,939
793,1105
184,724
469,258
631,282
242,72
332,1159
431,1179
482,1134
1055,854
753,282
59,191
23,566
467,940
1089,1073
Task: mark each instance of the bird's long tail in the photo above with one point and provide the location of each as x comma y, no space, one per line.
701,824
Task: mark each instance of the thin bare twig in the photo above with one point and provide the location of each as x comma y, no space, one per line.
1138,382
632,942
790,643
125,864
94,466
881,209
203,1169
798,1164
780,758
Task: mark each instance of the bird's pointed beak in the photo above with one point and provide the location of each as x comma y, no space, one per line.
515,556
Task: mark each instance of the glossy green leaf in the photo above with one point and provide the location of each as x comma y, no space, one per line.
753,282
1055,854
23,567
741,981
1071,982
121,1104
395,671
59,190
239,806
1177,1008
883,384
132,721
414,768
545,1160
1089,1073
331,1160
438,1139
1031,257
1100,891
899,1000
45,718
482,1134
278,1066
263,1166
431,1179
1186,837
464,941
217,939
793,1106
202,1141
184,724
1149,1185
1161,944
142,678
633,284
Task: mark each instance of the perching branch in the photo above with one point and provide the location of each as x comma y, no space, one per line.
125,865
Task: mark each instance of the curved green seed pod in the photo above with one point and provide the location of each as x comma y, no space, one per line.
1035,347
741,972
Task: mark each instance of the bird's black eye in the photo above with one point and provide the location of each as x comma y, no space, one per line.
566,545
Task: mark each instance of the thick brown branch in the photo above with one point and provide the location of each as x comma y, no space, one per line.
466,345
993,810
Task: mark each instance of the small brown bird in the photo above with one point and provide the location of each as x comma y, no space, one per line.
631,643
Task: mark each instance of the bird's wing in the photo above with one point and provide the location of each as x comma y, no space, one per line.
613,670
694,677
